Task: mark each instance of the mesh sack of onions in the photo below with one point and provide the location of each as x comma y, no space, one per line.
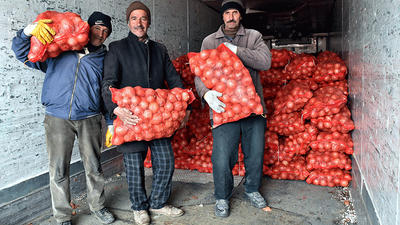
72,33
221,70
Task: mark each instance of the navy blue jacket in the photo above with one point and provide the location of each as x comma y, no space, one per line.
72,86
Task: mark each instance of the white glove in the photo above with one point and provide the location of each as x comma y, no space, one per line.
211,98
28,29
111,129
231,47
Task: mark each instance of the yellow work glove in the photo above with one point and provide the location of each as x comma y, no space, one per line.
41,30
109,135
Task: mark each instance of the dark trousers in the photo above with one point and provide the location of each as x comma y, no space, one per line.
60,138
225,154
163,165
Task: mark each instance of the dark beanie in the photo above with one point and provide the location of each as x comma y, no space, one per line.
98,18
137,5
232,4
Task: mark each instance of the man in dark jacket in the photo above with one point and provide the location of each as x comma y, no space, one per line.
138,61
71,94
249,46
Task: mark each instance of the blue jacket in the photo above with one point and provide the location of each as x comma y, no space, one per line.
72,86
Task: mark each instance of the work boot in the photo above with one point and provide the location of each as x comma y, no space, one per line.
104,215
168,210
222,208
256,199
141,217
69,222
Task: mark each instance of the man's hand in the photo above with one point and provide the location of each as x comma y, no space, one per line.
109,136
185,119
211,98
126,116
231,47
41,30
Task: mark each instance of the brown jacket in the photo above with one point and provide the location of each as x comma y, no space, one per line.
252,50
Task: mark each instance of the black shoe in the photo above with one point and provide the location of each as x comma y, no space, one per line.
222,208
69,222
256,199
104,216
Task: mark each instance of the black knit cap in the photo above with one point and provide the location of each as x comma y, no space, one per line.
232,4
98,18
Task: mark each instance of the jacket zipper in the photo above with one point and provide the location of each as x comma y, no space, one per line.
76,78
73,92
148,62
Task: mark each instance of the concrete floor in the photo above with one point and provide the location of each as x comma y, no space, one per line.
292,202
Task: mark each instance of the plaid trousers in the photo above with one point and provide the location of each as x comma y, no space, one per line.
163,165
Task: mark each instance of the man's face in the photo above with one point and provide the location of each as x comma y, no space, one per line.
98,34
231,19
139,23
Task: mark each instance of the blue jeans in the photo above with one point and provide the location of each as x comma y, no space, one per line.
250,131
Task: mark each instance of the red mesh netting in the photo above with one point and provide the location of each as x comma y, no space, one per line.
72,33
160,111
221,70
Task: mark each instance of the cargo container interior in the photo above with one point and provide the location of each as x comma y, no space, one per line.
365,34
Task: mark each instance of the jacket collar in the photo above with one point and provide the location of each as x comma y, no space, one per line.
85,51
133,37
103,47
220,33
133,41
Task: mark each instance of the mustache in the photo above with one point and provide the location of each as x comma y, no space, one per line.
232,21
139,27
